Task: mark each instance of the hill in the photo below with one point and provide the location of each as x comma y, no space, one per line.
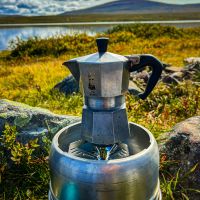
136,7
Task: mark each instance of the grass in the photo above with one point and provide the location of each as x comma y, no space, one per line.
98,17
29,72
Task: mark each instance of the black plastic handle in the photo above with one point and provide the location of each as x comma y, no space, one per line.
156,66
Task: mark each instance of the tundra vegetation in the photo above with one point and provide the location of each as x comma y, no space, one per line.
33,67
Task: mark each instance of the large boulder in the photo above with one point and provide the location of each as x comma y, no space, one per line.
32,122
68,86
181,146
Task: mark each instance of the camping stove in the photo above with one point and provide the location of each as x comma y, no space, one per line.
106,157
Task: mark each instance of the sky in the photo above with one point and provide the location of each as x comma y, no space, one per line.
52,7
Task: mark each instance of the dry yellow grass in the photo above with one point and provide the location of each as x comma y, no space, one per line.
31,81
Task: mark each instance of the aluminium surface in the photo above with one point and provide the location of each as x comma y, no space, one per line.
133,177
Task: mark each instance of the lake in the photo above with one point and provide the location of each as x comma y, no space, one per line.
10,32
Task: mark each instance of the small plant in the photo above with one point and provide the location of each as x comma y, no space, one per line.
174,186
20,153
24,170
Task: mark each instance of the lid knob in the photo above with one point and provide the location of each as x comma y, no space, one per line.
102,44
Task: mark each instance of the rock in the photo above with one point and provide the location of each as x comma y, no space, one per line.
173,69
68,86
182,146
178,75
31,122
138,81
192,60
168,79
134,89
193,67
144,75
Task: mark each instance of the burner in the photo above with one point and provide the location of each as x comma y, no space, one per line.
98,152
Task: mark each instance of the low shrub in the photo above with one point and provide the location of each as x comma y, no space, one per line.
24,172
82,44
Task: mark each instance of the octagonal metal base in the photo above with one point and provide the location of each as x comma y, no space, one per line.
105,128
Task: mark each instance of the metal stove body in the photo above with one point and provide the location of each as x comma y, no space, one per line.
105,157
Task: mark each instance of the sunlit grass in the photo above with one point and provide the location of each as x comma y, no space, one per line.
35,67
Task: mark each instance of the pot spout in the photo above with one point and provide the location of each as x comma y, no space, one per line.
73,67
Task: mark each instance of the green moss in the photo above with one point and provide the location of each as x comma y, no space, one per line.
22,120
4,115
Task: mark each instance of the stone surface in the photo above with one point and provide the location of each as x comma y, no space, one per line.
192,60
68,86
182,146
144,75
178,75
169,79
193,67
172,69
30,121
189,72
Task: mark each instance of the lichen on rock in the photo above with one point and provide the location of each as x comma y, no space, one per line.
182,147
30,121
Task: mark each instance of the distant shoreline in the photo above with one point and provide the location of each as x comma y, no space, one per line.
97,18
103,23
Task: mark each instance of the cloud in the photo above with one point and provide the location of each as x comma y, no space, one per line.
45,7
178,1
53,7
26,6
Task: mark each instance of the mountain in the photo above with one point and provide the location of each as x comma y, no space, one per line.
136,7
